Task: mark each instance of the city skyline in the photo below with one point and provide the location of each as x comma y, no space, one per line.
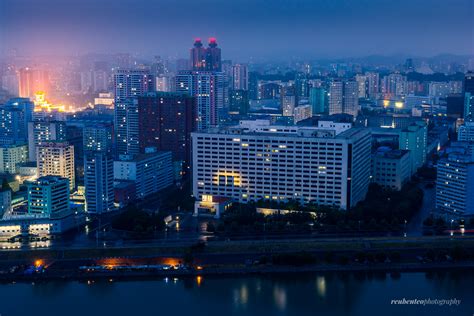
277,30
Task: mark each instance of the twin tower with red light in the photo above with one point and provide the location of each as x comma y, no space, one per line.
206,59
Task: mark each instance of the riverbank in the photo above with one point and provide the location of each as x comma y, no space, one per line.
111,275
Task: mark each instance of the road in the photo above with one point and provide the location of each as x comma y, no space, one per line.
415,226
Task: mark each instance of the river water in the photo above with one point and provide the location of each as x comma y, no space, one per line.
292,294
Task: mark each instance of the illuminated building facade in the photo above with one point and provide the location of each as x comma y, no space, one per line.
209,90
40,132
14,118
99,181
57,159
240,77
127,85
206,59
49,196
256,160
32,80
455,183
11,155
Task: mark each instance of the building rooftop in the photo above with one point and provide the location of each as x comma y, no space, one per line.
264,128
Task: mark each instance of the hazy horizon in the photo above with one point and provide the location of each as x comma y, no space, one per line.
245,29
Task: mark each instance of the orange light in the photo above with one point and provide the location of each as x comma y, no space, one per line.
199,280
38,263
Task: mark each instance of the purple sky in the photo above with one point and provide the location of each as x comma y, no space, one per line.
244,28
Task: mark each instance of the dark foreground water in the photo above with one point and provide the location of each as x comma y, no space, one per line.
296,294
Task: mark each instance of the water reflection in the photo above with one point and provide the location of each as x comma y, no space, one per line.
328,294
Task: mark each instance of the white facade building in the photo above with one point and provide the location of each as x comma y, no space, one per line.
11,155
56,159
455,184
256,160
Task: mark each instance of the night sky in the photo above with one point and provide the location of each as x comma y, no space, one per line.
244,28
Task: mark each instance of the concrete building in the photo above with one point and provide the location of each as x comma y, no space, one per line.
302,112
128,84
256,160
415,139
5,200
209,90
97,137
151,171
11,155
391,169
165,121
40,132
240,77
318,98
57,159
49,211
99,182
49,196
466,132
455,183
14,118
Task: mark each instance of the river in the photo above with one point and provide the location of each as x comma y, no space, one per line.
292,294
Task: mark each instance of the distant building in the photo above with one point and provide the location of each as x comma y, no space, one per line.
239,102
469,97
11,155
40,132
415,139
5,200
288,101
128,84
264,161
455,183
206,59
166,121
97,137
151,171
240,77
49,196
466,132
209,90
99,181
391,169
57,159
14,118
318,98
302,112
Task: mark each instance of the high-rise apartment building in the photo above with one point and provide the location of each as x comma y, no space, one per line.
166,121
415,139
99,181
14,118
205,59
57,159
455,183
11,155
127,85
208,88
256,160
240,77
40,132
